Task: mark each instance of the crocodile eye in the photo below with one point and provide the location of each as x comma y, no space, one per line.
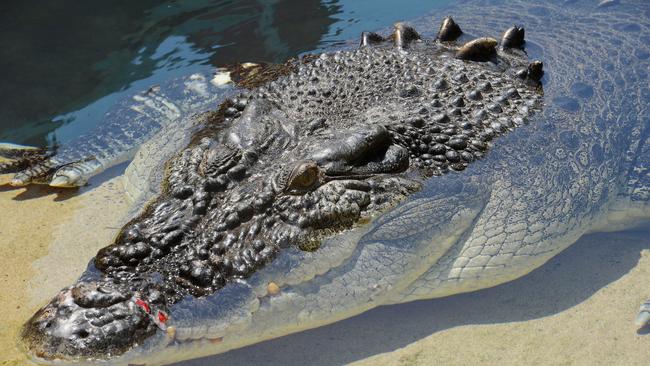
304,176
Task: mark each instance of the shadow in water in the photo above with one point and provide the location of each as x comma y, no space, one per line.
565,281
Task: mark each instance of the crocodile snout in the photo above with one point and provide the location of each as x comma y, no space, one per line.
88,320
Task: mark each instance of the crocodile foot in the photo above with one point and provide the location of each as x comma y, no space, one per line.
32,165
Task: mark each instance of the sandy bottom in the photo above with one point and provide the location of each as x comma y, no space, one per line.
47,237
596,331
578,309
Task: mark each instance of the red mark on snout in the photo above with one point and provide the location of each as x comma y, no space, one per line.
162,316
143,304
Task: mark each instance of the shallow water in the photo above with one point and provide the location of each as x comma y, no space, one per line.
173,41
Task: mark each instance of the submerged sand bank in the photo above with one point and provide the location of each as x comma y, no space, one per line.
596,331
47,237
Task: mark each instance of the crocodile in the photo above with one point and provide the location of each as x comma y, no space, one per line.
412,167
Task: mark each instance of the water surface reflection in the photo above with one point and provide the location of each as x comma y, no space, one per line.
63,64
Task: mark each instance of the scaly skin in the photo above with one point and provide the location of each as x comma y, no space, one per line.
306,203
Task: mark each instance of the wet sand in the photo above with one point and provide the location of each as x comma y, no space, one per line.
596,331
578,309
47,237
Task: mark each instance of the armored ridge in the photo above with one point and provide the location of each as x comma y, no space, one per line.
327,148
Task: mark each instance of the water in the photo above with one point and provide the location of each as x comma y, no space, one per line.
64,64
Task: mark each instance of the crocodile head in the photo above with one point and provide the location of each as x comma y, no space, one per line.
276,191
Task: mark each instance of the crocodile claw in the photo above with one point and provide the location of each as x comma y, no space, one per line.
19,180
32,165
15,158
61,182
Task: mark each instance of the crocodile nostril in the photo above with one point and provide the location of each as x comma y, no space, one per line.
109,327
83,333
